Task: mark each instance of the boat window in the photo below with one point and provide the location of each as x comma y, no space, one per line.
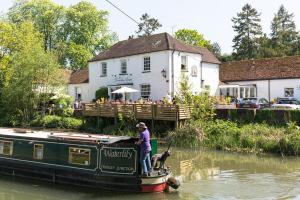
79,156
38,151
6,147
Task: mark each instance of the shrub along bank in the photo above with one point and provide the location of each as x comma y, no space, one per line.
54,121
269,116
226,135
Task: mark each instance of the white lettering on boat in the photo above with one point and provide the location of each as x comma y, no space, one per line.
113,153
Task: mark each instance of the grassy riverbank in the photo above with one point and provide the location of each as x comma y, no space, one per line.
231,136
214,134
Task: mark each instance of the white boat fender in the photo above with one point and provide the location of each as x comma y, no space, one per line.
173,183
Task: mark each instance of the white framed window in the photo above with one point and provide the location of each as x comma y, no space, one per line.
6,147
147,64
145,91
104,69
79,156
78,93
184,63
123,67
38,151
289,92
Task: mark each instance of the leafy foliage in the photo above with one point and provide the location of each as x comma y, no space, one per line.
192,37
102,93
54,121
45,15
147,25
226,135
29,75
75,33
202,105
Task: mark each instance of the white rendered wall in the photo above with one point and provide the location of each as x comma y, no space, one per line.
160,86
277,87
210,76
193,61
135,74
85,91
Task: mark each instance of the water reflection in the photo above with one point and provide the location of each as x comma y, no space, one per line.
204,174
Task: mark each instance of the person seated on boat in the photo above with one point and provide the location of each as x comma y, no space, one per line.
145,148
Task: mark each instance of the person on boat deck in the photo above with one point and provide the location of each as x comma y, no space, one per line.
145,148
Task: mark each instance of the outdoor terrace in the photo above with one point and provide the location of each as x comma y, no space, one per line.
164,112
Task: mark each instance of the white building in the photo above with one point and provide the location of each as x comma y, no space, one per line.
265,78
78,86
153,65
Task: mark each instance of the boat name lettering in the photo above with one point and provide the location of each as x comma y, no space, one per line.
118,154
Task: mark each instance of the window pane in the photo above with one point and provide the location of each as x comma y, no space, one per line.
147,64
288,92
38,152
79,156
6,147
145,91
123,67
183,63
104,69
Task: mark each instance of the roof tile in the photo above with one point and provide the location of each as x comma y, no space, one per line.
153,43
261,69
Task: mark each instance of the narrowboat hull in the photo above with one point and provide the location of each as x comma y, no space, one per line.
94,161
81,179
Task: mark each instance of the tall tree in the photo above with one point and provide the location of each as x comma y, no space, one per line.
147,25
30,73
86,33
46,15
248,30
265,49
283,32
62,28
192,37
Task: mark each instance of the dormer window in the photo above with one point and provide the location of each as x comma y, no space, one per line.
123,67
147,63
184,63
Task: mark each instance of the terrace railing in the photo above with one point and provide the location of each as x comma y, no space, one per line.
139,111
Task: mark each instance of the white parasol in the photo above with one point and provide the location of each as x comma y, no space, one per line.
125,90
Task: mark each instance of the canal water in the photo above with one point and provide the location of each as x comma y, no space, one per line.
204,175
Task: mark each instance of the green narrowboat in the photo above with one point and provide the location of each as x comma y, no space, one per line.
96,161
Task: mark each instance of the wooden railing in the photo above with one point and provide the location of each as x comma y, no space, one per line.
139,111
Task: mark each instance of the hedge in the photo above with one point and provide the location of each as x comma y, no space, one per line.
271,117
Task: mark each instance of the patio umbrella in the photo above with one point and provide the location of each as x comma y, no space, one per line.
124,90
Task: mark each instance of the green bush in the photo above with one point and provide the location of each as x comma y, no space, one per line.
190,135
54,121
63,106
102,93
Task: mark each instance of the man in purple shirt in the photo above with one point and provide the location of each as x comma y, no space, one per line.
145,148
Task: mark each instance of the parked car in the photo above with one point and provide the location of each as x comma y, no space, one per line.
286,103
253,102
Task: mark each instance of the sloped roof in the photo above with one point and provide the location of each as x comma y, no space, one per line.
261,69
152,43
79,76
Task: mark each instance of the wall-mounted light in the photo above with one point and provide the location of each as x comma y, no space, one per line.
164,73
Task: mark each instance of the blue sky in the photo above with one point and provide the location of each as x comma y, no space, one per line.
210,17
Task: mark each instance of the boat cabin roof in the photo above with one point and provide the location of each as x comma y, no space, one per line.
67,136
